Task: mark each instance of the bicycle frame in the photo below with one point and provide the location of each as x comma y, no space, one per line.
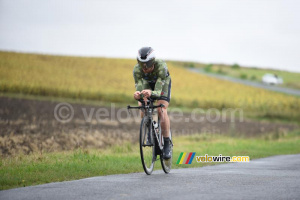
155,142
148,109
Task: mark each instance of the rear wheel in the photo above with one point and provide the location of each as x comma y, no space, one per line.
147,150
166,164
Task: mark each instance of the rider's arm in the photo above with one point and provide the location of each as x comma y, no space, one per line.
160,81
139,85
138,80
158,87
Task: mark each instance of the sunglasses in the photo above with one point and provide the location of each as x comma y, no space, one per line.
146,65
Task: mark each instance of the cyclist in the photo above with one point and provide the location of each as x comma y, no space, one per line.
152,79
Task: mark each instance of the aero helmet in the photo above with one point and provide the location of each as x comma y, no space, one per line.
146,57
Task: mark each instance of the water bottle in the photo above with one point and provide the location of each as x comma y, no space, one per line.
155,125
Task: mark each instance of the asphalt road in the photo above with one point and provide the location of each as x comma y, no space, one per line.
275,177
250,83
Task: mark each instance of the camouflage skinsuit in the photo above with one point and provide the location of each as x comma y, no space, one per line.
159,80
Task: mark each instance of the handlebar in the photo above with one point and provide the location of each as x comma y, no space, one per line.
149,99
144,106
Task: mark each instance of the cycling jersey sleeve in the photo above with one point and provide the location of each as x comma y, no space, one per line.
138,80
158,87
139,85
162,75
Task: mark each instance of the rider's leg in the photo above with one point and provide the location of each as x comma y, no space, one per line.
162,112
164,118
163,115
165,128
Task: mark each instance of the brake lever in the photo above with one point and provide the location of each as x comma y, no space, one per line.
128,110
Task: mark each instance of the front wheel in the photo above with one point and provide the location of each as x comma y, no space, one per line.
147,149
167,164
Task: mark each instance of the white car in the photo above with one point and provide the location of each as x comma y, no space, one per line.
272,79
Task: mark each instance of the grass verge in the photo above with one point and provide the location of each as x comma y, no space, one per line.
27,170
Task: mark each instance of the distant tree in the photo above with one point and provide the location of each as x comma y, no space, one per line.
220,71
235,66
208,68
243,76
253,78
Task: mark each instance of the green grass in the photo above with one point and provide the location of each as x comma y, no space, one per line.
26,170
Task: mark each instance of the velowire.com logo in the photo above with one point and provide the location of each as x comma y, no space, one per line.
187,158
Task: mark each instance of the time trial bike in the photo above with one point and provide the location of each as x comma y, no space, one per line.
151,138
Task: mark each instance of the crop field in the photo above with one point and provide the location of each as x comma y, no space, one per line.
111,80
29,126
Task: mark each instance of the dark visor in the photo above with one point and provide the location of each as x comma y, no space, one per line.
146,64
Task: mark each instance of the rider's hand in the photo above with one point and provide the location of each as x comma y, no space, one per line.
137,95
146,93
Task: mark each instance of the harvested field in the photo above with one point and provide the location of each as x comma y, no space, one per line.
30,126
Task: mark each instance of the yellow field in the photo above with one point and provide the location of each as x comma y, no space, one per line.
111,80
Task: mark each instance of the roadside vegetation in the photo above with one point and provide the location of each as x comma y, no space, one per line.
290,79
110,80
38,168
